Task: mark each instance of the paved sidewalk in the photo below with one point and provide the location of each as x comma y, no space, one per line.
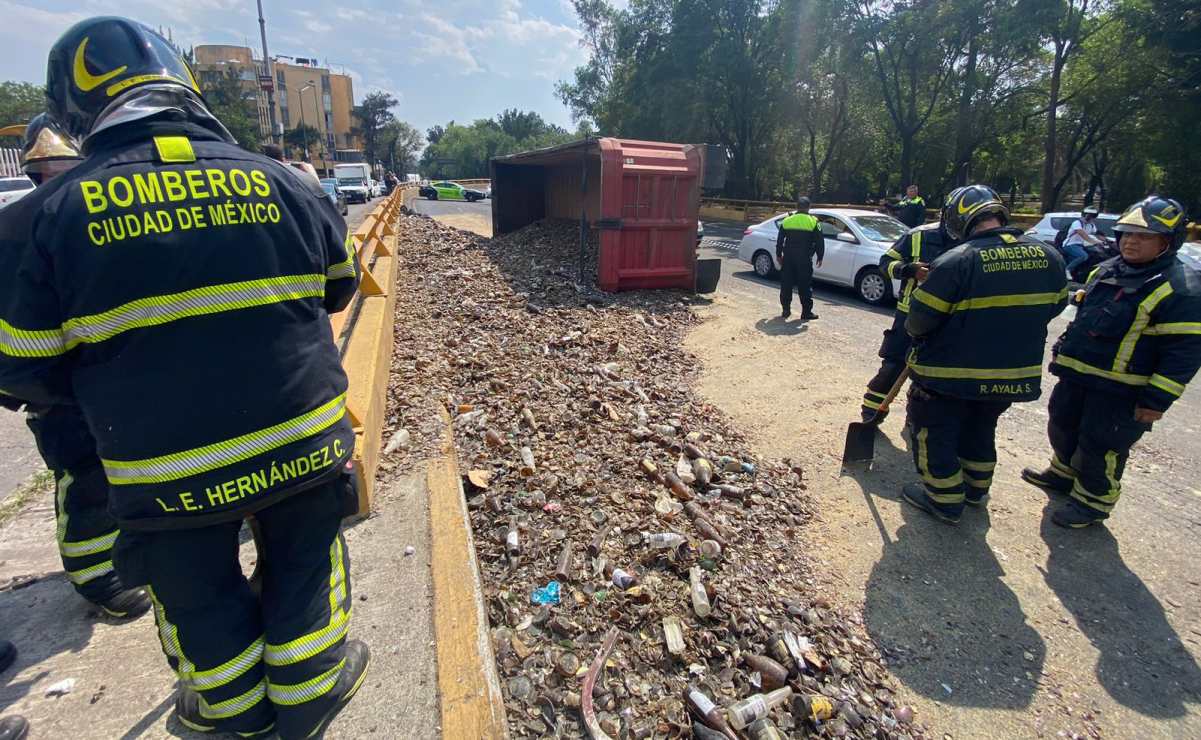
18,454
123,687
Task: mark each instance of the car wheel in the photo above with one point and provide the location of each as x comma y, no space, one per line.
764,265
872,286
434,195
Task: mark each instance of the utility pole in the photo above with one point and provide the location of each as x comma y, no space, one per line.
304,129
269,72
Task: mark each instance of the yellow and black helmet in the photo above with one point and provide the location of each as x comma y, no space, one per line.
1156,214
98,59
967,205
46,141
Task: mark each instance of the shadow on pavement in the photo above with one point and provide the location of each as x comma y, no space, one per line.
777,326
936,605
1143,663
834,294
42,619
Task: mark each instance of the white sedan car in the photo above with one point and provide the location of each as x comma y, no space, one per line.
855,241
13,189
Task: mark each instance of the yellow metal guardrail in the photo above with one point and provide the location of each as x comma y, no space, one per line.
364,336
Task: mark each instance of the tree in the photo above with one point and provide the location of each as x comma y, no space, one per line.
304,139
374,113
913,48
20,101
1069,27
434,133
400,143
235,106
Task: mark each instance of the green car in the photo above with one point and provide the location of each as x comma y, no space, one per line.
446,190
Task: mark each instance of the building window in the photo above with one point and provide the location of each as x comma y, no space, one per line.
279,79
283,114
325,85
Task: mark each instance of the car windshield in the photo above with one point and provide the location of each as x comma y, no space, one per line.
1105,224
8,186
881,228
350,181
329,187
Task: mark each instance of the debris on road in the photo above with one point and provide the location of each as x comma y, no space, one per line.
593,466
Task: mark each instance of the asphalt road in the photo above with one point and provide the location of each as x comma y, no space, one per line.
1005,626
19,457
435,208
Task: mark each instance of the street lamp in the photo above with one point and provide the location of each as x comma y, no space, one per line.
316,111
304,129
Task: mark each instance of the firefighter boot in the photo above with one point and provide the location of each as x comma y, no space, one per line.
358,658
8,654
1048,480
187,711
916,495
128,604
13,728
1074,516
977,497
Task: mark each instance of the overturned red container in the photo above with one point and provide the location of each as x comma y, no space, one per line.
641,197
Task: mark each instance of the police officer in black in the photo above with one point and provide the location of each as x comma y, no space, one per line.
1124,360
86,532
911,210
798,242
178,289
908,261
979,327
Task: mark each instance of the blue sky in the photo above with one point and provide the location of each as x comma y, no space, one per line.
443,60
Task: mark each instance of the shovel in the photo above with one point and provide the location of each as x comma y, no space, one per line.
861,435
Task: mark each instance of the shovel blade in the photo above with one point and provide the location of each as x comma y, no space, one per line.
861,442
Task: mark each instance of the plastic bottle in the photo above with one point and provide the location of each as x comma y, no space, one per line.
756,707
678,487
563,568
663,540
700,597
703,708
598,542
512,542
619,577
764,729
673,634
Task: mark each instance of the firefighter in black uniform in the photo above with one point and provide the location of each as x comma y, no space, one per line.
908,261
177,288
799,241
979,325
1127,356
86,531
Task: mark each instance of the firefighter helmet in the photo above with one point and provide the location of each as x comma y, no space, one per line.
969,204
47,150
98,59
1156,214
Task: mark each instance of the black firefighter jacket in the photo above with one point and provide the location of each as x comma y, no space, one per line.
979,321
177,288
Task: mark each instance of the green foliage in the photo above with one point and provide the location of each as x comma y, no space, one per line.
235,106
374,113
850,100
400,143
304,135
20,101
457,151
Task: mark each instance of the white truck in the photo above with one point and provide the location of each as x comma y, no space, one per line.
354,180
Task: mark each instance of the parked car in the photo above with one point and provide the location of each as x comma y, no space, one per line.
444,190
855,241
336,196
1050,224
354,180
13,189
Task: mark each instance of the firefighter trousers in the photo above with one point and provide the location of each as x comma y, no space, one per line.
954,445
253,661
893,351
85,531
1091,434
796,273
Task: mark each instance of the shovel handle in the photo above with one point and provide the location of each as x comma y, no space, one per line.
896,388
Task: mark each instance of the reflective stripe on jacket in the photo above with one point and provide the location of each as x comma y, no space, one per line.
1137,332
177,288
923,244
979,321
